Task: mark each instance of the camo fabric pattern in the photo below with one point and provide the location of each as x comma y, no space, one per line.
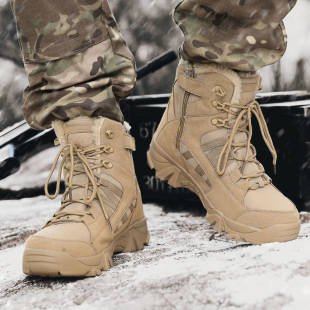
77,61
238,34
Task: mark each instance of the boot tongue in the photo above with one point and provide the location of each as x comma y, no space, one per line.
246,91
79,131
250,84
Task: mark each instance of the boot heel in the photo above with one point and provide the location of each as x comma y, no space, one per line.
165,170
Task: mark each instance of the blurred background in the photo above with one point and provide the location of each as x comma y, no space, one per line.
149,30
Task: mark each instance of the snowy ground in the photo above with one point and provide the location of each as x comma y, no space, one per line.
186,266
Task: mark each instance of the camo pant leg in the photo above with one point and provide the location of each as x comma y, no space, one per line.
77,62
239,34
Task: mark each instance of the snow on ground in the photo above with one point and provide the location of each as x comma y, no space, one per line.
186,266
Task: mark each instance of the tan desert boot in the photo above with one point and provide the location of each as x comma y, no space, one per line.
203,143
101,210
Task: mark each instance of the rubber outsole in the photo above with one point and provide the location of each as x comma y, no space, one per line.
47,263
167,170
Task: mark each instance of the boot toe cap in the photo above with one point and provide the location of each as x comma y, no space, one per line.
262,219
266,207
59,258
72,247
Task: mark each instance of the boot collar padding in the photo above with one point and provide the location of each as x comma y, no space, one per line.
195,86
128,140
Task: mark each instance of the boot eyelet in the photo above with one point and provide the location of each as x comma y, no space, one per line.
214,103
109,149
107,164
219,90
218,104
109,134
218,122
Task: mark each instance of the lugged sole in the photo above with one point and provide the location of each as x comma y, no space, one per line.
47,263
167,169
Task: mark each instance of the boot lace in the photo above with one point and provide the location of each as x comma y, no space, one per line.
77,161
242,123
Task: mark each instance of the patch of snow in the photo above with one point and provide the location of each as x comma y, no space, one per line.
186,265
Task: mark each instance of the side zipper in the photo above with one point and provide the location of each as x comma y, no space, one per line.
190,72
182,120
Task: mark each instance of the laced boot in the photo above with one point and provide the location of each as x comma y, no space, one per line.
101,211
203,143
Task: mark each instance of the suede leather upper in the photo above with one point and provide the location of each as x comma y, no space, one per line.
201,142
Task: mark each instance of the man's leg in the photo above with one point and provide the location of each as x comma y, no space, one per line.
239,34
203,140
77,62
79,67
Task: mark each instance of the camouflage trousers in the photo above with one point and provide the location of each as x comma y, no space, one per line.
78,63
244,35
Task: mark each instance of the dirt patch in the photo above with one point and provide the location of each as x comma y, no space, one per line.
304,217
37,283
10,240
